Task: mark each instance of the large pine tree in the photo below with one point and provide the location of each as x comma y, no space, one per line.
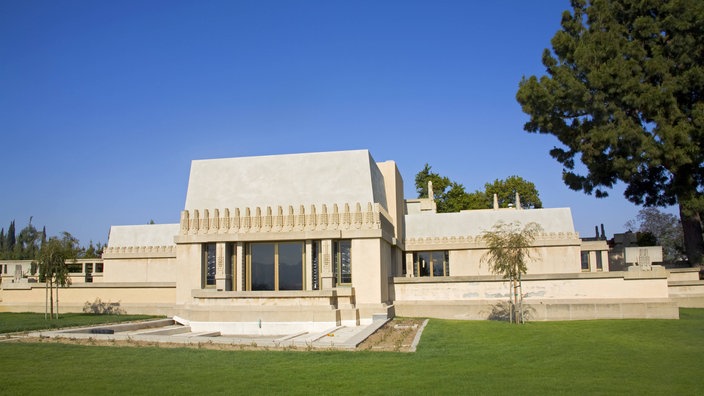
624,94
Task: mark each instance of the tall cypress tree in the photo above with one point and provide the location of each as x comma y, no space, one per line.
2,243
10,244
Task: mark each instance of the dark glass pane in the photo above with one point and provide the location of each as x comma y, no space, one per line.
98,267
229,249
291,266
262,256
89,268
424,264
315,265
415,264
585,260
599,264
75,268
210,264
345,262
438,263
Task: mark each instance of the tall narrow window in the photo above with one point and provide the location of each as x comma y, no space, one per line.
599,264
315,264
263,265
585,261
290,266
229,260
209,265
342,269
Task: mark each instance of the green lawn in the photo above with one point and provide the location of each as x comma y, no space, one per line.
12,322
660,357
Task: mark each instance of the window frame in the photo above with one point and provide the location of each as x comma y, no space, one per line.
338,261
585,254
208,264
431,263
277,262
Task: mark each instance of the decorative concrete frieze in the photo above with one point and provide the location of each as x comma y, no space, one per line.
476,242
139,251
278,220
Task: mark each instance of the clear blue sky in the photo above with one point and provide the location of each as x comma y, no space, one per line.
103,104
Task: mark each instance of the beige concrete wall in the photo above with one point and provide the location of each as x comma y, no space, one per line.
684,274
161,269
545,260
394,196
559,286
543,311
550,297
147,298
188,271
366,270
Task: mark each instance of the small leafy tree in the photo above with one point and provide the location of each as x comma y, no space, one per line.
506,191
665,228
451,196
53,256
509,250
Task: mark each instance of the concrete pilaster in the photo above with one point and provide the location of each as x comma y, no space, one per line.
326,259
308,265
240,267
409,265
220,273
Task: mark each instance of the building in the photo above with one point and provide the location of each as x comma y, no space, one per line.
309,241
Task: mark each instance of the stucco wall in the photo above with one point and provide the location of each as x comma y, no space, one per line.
558,286
140,270
145,298
545,260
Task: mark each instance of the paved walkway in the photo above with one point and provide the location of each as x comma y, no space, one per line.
167,331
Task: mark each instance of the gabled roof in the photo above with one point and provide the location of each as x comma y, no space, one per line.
291,179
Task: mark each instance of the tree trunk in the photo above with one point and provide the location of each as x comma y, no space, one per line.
46,298
692,230
57,301
515,302
51,300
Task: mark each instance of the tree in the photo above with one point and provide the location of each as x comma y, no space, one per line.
664,227
28,242
451,196
624,94
52,265
2,243
440,183
92,251
506,192
509,249
10,240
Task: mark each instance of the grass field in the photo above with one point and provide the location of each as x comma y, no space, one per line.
660,357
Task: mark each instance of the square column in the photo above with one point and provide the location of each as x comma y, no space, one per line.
308,266
326,278
409,265
239,267
220,272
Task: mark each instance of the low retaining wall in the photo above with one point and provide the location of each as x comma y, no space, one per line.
134,298
544,310
609,295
